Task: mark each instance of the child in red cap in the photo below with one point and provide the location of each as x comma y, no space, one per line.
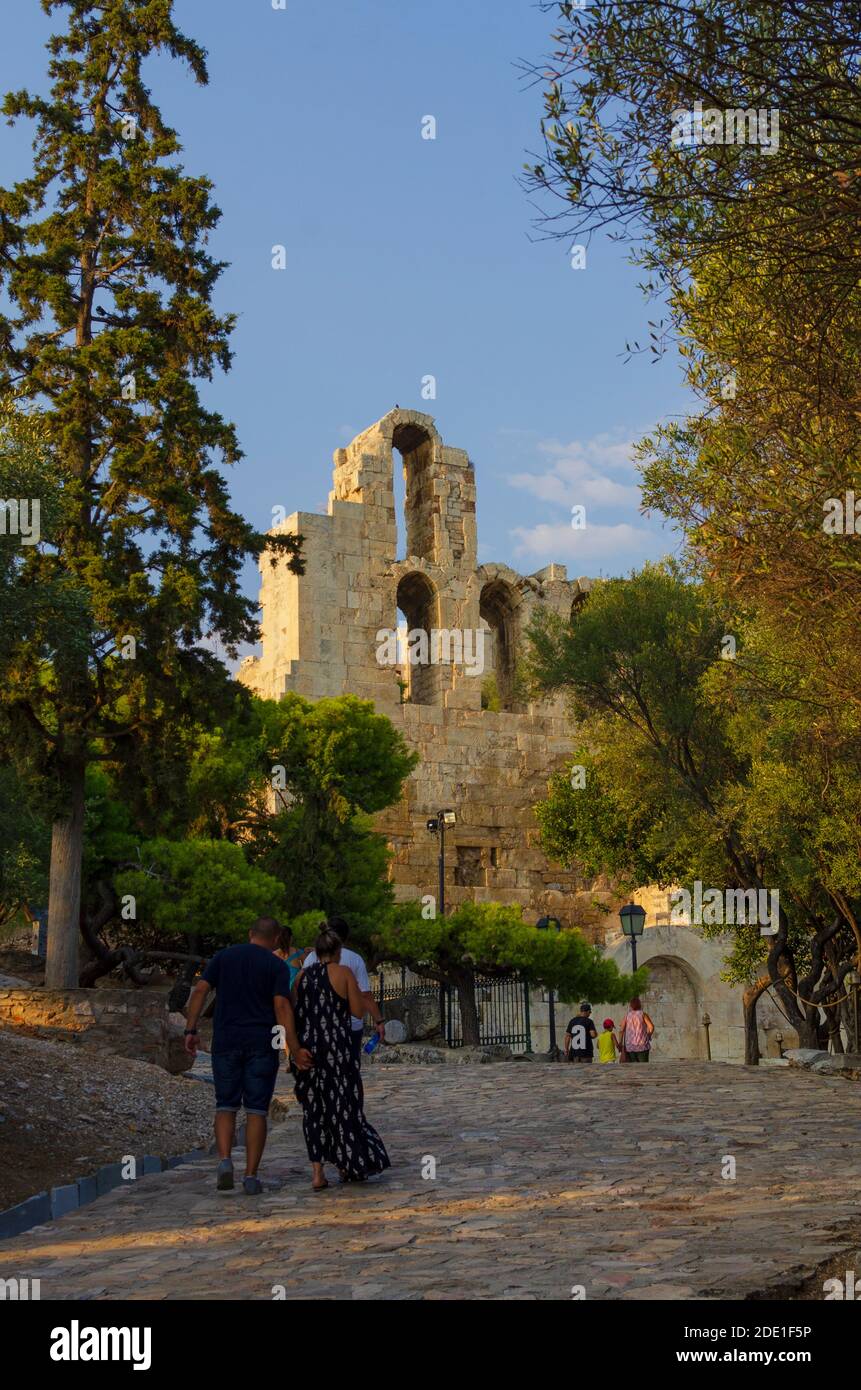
607,1042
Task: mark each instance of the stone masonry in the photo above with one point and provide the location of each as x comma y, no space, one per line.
324,635
121,1022
485,751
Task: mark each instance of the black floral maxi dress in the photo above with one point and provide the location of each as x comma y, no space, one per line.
331,1092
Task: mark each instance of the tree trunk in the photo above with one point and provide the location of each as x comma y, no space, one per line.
784,978
832,1023
808,1030
465,983
750,999
64,890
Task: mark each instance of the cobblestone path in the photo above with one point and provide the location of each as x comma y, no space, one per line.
546,1177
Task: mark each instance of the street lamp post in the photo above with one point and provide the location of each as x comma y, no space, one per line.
551,924
633,918
436,825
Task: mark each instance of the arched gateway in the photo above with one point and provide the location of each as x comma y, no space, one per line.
680,962
684,986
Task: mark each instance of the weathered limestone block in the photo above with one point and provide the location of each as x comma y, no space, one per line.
127,1023
804,1056
418,1013
847,1064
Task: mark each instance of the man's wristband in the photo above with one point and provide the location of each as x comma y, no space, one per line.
191,1032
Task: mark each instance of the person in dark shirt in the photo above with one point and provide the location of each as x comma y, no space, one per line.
578,1036
253,1021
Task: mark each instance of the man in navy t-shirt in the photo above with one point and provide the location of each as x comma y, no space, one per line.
253,1021
578,1036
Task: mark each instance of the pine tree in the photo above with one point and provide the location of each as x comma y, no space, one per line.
105,269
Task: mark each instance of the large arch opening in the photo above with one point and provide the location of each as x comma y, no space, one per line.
673,1000
417,602
497,611
415,446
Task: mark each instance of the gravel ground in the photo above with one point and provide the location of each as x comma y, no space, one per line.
65,1111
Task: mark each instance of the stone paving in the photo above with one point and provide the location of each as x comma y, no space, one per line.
547,1177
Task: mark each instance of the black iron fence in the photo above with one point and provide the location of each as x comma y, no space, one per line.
502,1003
399,982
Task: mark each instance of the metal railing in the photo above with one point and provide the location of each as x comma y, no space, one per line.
392,981
502,1003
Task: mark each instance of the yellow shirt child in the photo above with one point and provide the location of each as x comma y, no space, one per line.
607,1043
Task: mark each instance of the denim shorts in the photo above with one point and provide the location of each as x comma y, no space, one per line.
245,1076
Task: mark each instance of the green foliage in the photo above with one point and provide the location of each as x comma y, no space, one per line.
755,256
339,867
489,938
25,843
337,763
197,887
341,756
111,835
693,772
490,694
108,325
622,822
306,926
341,762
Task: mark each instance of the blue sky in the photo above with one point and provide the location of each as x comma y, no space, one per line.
406,258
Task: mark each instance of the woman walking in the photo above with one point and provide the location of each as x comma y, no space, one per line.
636,1032
291,956
331,1094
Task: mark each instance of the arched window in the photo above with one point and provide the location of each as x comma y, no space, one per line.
497,611
416,449
417,602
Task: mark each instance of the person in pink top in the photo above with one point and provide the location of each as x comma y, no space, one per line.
636,1032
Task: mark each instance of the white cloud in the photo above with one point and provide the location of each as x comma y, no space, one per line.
599,470
601,475
616,549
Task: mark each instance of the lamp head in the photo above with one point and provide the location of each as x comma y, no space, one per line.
633,918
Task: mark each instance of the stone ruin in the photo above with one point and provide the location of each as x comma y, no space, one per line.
451,687
485,751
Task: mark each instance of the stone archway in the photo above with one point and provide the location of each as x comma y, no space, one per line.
684,983
417,600
415,444
497,606
674,1002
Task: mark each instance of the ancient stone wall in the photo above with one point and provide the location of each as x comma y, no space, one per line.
126,1023
322,637
485,751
